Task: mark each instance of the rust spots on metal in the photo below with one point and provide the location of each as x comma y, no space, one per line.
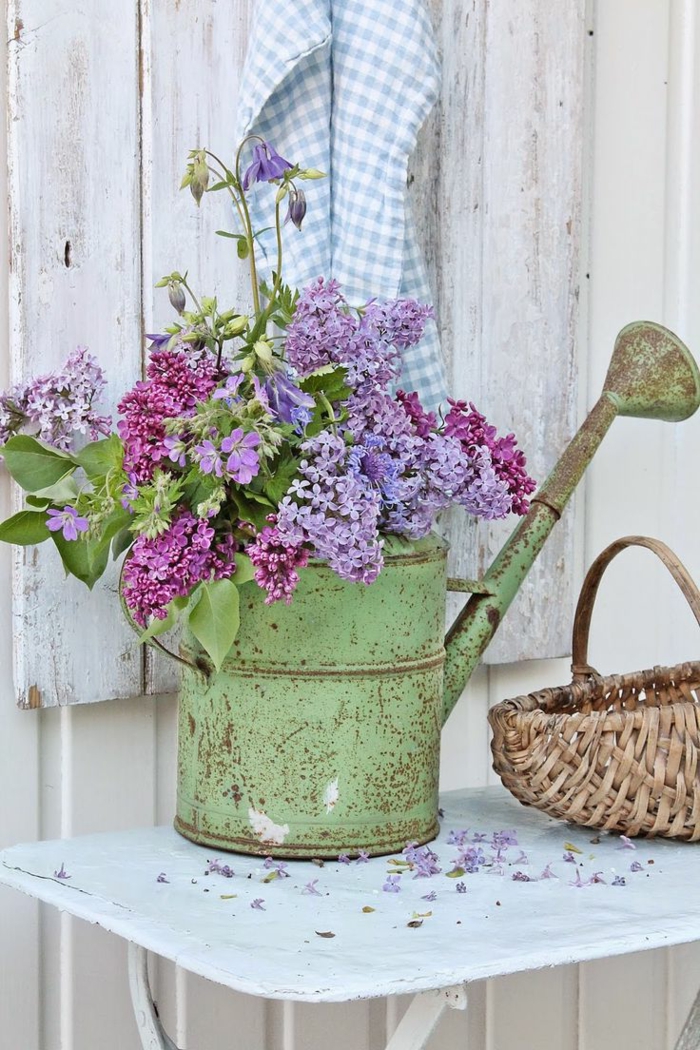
192,724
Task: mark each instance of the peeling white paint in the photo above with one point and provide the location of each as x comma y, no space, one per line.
330,795
266,829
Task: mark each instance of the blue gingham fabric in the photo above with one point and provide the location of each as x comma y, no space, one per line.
344,86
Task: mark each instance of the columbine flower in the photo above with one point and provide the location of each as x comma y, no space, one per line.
62,873
392,884
297,207
68,521
243,463
287,401
267,165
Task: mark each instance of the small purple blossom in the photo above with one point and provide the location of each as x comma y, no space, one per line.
209,458
162,877
569,857
520,876
362,857
432,896
548,873
522,859
392,884
215,866
67,521
597,876
257,904
297,207
62,873
504,838
626,843
619,880
636,866
266,166
461,887
243,462
229,391
343,858
578,881
422,860
457,838
310,888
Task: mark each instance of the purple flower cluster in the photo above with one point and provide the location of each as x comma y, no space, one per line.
57,405
471,429
170,565
276,563
176,381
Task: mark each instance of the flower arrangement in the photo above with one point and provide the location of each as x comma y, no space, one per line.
254,442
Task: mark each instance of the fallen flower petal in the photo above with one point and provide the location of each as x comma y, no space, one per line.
619,880
636,866
310,888
548,873
461,887
520,876
362,857
626,843
392,884
257,904
569,858
429,896
569,846
324,933
62,873
343,859
162,877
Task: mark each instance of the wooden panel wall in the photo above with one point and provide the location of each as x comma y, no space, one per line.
83,768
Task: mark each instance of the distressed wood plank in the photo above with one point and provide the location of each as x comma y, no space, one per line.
503,237
74,279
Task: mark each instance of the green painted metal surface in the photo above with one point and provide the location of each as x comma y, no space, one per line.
321,733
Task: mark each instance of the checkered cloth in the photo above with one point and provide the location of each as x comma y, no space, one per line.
344,86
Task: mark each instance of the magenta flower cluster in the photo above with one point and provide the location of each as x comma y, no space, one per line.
58,405
176,381
276,564
169,566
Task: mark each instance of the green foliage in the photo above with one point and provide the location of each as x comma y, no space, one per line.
100,457
83,558
26,528
215,619
34,465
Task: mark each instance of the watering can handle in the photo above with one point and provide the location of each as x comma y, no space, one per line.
584,608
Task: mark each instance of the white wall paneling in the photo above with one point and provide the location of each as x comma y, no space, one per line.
79,768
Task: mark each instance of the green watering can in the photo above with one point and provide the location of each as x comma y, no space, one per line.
321,733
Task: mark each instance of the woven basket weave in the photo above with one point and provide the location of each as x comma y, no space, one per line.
618,752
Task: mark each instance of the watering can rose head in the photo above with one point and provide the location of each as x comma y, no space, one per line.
245,452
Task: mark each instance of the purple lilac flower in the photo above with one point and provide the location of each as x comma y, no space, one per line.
257,904
548,873
461,887
597,876
479,836
266,166
635,866
343,858
619,880
392,884
504,838
276,563
471,859
522,859
470,428
457,838
626,843
67,521
520,876
310,888
362,857
569,857
423,422
423,860
320,327
243,462
57,405
398,322
578,881
162,877
62,873
215,866
170,565
432,896
176,381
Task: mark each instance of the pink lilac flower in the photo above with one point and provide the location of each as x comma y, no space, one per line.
520,876
548,873
597,876
266,165
578,881
392,884
57,405
66,521
276,562
243,462
423,422
522,859
176,381
170,565
62,873
569,857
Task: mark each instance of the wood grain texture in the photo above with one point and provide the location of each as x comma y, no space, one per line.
74,279
497,194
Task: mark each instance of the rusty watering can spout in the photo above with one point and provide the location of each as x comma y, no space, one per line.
651,375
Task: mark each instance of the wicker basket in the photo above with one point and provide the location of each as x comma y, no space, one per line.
618,752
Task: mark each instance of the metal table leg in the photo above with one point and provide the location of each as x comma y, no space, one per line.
153,1035
421,1018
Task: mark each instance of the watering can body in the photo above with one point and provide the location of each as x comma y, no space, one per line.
321,733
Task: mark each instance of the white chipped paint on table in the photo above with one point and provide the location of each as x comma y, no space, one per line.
205,923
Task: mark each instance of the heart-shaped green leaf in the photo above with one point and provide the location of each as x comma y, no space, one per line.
34,465
26,528
215,618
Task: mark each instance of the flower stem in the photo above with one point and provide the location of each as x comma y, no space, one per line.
243,215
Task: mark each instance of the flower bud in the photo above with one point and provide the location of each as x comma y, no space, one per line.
176,296
297,207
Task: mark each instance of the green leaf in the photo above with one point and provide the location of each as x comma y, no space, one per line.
245,570
329,382
121,542
174,610
283,474
215,618
217,186
85,559
64,491
99,457
26,528
34,465
225,233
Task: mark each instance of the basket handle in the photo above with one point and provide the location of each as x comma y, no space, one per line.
584,608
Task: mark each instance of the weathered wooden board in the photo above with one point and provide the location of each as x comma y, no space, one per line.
497,193
75,278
